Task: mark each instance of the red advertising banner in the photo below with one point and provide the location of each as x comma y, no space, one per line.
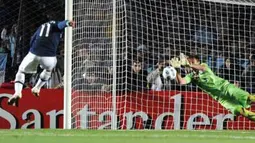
153,110
45,111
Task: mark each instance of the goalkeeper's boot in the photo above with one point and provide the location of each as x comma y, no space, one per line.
14,100
35,91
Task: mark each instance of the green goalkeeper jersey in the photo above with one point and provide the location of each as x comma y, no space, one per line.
227,94
208,82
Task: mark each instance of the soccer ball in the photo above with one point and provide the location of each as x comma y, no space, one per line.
169,73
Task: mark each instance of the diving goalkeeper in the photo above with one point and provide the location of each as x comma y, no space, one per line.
228,95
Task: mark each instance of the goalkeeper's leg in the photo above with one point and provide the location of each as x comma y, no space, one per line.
251,98
246,113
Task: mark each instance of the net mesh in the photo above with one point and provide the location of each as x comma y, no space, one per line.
148,34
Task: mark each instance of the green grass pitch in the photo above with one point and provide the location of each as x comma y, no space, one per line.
133,136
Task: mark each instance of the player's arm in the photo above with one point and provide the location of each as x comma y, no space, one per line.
184,62
176,63
200,67
33,39
183,80
66,23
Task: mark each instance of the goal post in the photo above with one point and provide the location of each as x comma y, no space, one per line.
68,66
114,66
117,47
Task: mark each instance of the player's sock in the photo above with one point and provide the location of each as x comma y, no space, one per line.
44,77
19,82
252,98
249,114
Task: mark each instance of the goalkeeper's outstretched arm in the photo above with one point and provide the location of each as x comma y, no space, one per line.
191,62
188,77
180,79
176,63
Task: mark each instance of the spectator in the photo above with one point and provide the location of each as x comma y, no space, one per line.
155,77
132,79
92,80
219,61
136,79
82,63
8,37
249,75
142,52
9,42
4,40
12,42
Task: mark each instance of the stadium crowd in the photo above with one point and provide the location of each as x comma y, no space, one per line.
230,53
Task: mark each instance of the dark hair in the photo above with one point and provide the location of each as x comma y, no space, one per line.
252,57
194,57
136,60
160,59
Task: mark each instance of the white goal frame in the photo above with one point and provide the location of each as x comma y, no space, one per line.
68,66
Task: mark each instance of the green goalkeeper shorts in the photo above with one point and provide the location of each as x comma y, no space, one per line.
234,98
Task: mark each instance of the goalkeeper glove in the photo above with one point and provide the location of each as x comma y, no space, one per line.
183,60
175,62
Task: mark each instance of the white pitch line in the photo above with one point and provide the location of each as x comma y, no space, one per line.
125,135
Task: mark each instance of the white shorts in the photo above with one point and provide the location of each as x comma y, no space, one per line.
31,62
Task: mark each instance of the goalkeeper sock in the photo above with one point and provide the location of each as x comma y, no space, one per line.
252,98
44,77
249,114
19,82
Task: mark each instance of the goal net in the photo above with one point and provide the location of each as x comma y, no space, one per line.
120,45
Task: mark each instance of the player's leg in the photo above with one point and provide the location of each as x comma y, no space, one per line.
246,113
238,100
251,98
241,96
48,64
28,65
43,78
235,108
18,86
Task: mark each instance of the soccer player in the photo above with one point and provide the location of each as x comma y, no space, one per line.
228,95
43,48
